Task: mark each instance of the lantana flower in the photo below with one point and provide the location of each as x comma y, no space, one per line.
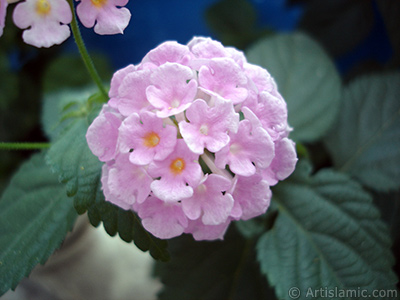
107,16
192,138
45,21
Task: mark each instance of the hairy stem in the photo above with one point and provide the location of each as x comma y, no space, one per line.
84,53
23,146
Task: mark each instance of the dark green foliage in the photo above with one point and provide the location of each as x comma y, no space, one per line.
35,216
328,234
234,21
213,270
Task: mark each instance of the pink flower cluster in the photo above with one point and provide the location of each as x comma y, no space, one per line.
192,138
46,21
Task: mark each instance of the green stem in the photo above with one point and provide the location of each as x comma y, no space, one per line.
23,146
84,53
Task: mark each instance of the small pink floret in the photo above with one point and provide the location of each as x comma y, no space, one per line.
46,21
208,127
107,16
146,138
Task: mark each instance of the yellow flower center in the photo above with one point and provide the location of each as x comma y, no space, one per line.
99,3
43,7
151,140
177,166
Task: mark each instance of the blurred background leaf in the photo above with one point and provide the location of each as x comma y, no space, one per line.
234,22
365,141
307,79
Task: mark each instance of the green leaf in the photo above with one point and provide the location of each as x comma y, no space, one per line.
213,270
366,139
59,104
328,235
306,78
71,158
35,216
234,21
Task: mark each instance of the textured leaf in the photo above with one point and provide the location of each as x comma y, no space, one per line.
366,139
35,216
306,78
213,270
71,158
328,235
57,104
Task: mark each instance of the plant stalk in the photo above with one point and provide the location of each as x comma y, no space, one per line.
23,146
85,54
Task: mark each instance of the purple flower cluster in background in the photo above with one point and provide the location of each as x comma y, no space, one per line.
192,139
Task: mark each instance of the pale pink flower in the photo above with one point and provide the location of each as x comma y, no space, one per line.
203,47
224,77
203,232
208,127
249,145
117,183
179,173
180,102
260,77
102,134
209,202
146,136
131,97
107,16
3,12
163,219
272,113
46,21
252,196
118,78
168,52
173,89
283,163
